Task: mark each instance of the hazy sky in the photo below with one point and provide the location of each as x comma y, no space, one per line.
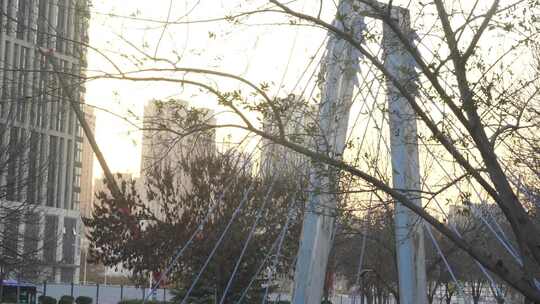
258,52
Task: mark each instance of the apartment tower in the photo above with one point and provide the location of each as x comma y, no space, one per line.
41,141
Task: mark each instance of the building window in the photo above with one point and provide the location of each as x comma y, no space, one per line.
11,236
13,160
78,151
42,165
22,19
10,16
75,91
50,240
34,98
6,81
61,25
14,81
42,22
42,120
31,235
52,171
68,203
33,168
61,172
77,179
22,84
68,242
68,45
76,199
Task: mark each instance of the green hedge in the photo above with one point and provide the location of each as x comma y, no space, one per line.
65,299
139,301
83,300
46,300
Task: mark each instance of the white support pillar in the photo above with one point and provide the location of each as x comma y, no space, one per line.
318,228
405,164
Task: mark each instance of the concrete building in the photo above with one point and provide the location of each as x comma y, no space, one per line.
41,137
299,124
163,143
87,168
87,191
163,126
100,185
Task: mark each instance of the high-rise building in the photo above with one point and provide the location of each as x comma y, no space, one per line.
87,168
87,191
169,136
298,121
41,137
100,185
166,129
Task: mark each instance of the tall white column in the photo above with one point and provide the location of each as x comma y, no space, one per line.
405,164
318,226
341,66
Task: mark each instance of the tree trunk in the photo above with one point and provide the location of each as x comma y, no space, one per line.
448,294
476,290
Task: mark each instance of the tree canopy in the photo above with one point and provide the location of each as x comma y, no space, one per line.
217,190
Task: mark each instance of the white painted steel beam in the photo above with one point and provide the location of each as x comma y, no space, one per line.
341,67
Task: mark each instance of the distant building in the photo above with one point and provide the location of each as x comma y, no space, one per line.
101,186
87,189
163,126
42,137
163,143
299,121
466,216
87,168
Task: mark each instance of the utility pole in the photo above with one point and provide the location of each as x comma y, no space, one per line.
334,113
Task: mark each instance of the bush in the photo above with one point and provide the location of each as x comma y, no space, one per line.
65,299
140,301
131,301
83,300
46,300
201,295
326,302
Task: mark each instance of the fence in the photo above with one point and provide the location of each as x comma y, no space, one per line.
102,294
112,294
487,298
335,299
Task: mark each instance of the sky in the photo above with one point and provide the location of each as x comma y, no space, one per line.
259,52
